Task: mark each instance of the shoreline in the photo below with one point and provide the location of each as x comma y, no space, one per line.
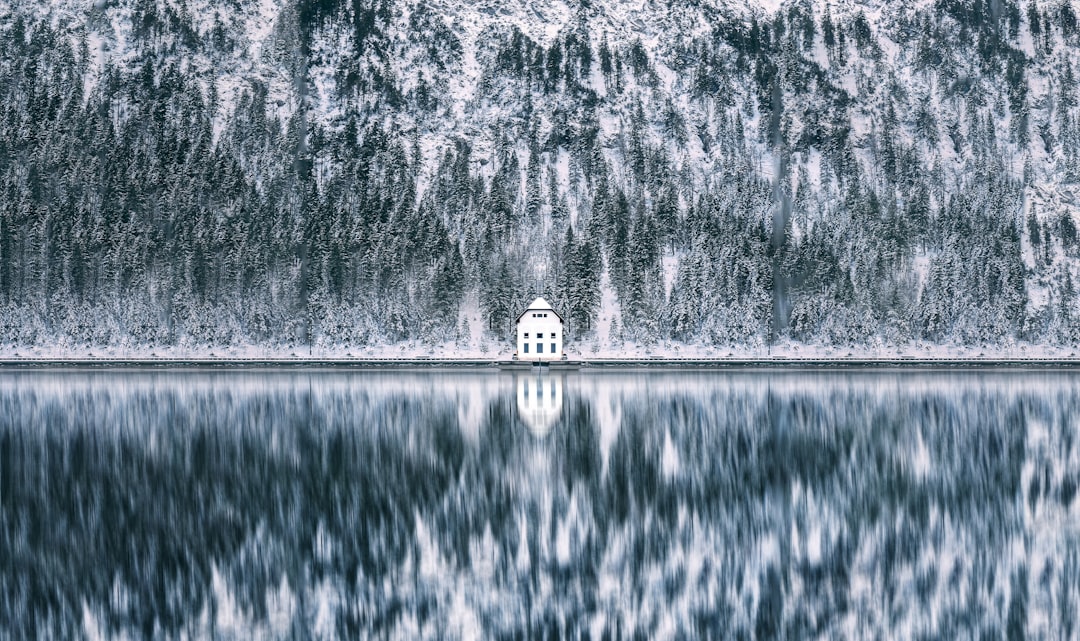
595,364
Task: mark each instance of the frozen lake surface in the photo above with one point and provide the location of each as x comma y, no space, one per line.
473,505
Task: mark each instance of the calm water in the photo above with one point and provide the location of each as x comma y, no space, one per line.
585,506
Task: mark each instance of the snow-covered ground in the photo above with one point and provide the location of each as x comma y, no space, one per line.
489,349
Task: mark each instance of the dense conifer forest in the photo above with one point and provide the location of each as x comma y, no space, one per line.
345,173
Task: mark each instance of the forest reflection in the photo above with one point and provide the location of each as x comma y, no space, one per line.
529,505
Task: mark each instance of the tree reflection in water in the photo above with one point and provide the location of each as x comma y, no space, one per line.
657,505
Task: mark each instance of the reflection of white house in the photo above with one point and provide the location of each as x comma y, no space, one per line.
539,333
539,402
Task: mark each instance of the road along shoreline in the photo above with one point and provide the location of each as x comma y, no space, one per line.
590,364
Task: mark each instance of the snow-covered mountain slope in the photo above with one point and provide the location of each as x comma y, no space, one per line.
839,173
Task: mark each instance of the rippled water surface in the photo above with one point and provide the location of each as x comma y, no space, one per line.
579,506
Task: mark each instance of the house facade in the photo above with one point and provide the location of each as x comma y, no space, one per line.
539,333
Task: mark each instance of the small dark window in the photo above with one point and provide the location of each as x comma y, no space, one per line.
540,335
526,334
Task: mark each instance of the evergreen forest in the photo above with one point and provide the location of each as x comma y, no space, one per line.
350,173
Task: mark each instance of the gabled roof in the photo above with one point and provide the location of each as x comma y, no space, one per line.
539,305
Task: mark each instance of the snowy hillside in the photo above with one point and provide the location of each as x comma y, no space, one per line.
339,174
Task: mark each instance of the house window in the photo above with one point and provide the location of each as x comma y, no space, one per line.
539,348
526,348
526,334
553,348
540,335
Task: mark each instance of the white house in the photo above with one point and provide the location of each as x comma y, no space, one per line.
539,333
